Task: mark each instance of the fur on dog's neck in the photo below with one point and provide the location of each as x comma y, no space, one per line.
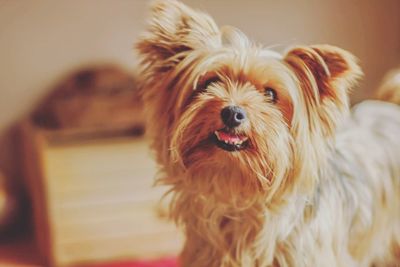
236,226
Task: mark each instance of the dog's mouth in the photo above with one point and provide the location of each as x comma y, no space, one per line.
229,141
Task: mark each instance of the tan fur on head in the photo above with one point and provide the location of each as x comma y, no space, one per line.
294,192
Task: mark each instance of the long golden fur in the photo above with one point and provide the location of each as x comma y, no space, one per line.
315,185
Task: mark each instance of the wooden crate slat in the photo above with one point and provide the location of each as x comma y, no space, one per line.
96,199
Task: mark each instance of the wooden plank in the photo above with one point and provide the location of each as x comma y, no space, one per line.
97,199
129,247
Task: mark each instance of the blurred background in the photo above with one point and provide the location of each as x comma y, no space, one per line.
49,48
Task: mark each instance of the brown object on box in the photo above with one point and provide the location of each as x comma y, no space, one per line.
93,198
98,97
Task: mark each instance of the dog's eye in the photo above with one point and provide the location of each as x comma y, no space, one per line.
270,94
205,82
210,81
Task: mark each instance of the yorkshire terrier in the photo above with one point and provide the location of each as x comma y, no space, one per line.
267,166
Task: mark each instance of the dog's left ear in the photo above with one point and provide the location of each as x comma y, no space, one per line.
326,72
173,30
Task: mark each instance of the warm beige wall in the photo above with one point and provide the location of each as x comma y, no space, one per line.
40,40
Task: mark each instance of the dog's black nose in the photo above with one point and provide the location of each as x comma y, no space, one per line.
233,116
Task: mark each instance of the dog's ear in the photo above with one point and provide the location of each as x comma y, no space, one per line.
325,73
174,29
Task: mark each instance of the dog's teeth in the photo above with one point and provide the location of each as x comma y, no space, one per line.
235,142
217,135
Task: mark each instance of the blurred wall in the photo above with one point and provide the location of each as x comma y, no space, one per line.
41,40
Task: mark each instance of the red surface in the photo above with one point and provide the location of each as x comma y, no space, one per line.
159,263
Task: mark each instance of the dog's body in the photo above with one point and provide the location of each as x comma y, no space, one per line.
266,166
356,205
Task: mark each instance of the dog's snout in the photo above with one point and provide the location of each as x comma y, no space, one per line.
233,116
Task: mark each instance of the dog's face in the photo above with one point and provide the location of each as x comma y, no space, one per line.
220,103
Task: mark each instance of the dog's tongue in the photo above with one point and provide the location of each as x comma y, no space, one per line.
231,138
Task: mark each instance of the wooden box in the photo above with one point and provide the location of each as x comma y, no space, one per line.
93,198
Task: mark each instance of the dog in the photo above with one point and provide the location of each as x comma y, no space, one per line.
266,163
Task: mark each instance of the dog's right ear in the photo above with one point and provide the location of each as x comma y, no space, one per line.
174,30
